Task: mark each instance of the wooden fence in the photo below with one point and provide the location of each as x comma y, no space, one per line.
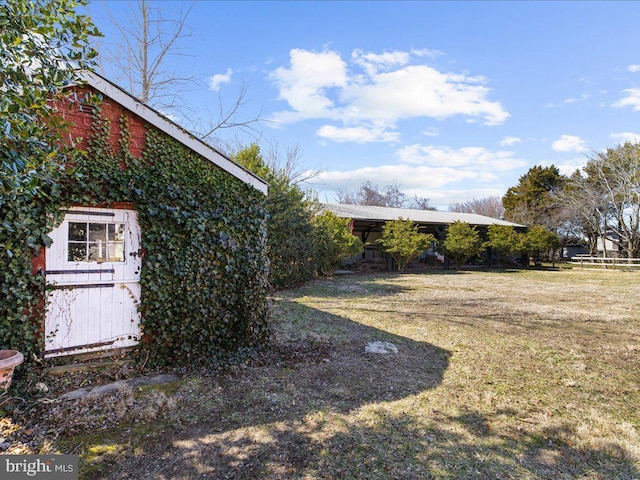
605,262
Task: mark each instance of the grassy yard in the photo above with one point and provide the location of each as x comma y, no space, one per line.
498,375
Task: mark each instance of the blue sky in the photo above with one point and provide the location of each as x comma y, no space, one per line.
452,100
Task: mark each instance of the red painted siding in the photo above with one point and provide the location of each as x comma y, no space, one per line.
80,117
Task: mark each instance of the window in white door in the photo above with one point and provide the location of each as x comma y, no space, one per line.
96,242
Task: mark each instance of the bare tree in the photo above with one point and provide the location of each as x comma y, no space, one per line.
615,175
289,161
603,201
583,211
147,40
284,160
227,117
421,203
368,194
392,196
343,196
487,206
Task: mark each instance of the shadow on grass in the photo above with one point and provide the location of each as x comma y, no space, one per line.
375,284
264,411
385,446
331,414
359,285
467,269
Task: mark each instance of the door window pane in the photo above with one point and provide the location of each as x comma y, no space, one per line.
98,251
115,251
77,252
97,232
116,232
77,232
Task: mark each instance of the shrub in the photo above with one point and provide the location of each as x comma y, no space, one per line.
538,242
290,233
42,45
504,241
334,242
462,243
302,243
401,240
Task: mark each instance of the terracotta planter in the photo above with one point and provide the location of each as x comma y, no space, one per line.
9,359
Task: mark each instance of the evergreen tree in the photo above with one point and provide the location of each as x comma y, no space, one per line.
462,243
533,201
402,240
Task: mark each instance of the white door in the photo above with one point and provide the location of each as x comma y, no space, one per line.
94,268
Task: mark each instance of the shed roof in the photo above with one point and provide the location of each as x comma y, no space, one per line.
162,123
383,214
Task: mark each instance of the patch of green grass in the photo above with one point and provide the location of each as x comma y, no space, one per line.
97,451
169,389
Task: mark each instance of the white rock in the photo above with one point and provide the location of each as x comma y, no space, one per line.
42,387
381,347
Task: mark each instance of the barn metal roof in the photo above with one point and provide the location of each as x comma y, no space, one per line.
383,214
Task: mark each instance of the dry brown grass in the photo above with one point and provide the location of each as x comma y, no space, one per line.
523,375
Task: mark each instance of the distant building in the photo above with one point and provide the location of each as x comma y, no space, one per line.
573,250
606,247
367,222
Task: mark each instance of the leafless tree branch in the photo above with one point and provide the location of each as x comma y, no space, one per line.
487,206
147,40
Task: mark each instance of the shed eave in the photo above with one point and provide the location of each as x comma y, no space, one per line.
172,129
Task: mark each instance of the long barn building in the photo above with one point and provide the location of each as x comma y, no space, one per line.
367,222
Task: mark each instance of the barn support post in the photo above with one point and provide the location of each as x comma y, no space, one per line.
365,236
389,263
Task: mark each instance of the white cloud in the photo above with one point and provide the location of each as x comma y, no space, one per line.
357,134
508,141
427,52
443,198
569,143
171,117
424,181
441,173
623,137
570,100
431,132
304,84
477,158
568,167
581,98
217,80
631,99
410,177
374,62
376,90
421,91
634,68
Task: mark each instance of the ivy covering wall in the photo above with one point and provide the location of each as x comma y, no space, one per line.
204,274
26,220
